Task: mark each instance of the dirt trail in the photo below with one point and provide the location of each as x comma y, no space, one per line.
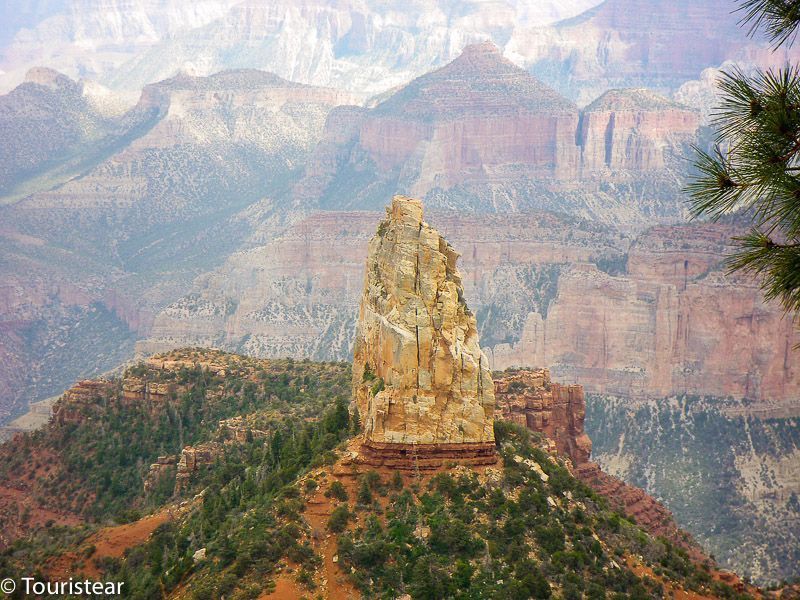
332,581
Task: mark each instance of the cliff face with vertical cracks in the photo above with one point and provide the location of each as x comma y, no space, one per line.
529,398
633,130
421,384
673,323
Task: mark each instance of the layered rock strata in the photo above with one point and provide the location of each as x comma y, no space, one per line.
530,398
421,384
485,135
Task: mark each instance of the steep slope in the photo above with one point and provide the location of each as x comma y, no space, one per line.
199,162
51,127
272,503
633,130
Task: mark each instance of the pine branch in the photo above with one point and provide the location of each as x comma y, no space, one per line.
777,264
759,123
779,19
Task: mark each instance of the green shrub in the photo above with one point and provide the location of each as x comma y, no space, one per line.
339,519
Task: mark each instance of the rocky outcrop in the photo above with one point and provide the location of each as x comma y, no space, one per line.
153,385
81,400
136,390
529,398
192,459
633,130
421,384
163,467
237,429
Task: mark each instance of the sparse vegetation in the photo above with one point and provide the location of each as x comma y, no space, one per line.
499,533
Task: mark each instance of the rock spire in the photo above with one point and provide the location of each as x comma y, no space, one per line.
421,384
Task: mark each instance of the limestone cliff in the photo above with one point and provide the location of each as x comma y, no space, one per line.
419,376
633,130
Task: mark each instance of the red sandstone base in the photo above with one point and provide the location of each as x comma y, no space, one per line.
425,456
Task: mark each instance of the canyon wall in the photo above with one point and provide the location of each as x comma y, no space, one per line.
585,46
668,320
121,212
673,324
633,130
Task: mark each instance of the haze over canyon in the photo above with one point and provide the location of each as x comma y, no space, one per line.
178,174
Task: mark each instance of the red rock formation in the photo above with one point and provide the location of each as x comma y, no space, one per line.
478,112
633,130
529,398
425,456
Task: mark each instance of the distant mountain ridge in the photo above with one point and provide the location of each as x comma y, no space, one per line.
484,134
581,47
118,216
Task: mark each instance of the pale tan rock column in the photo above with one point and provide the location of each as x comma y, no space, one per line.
420,381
